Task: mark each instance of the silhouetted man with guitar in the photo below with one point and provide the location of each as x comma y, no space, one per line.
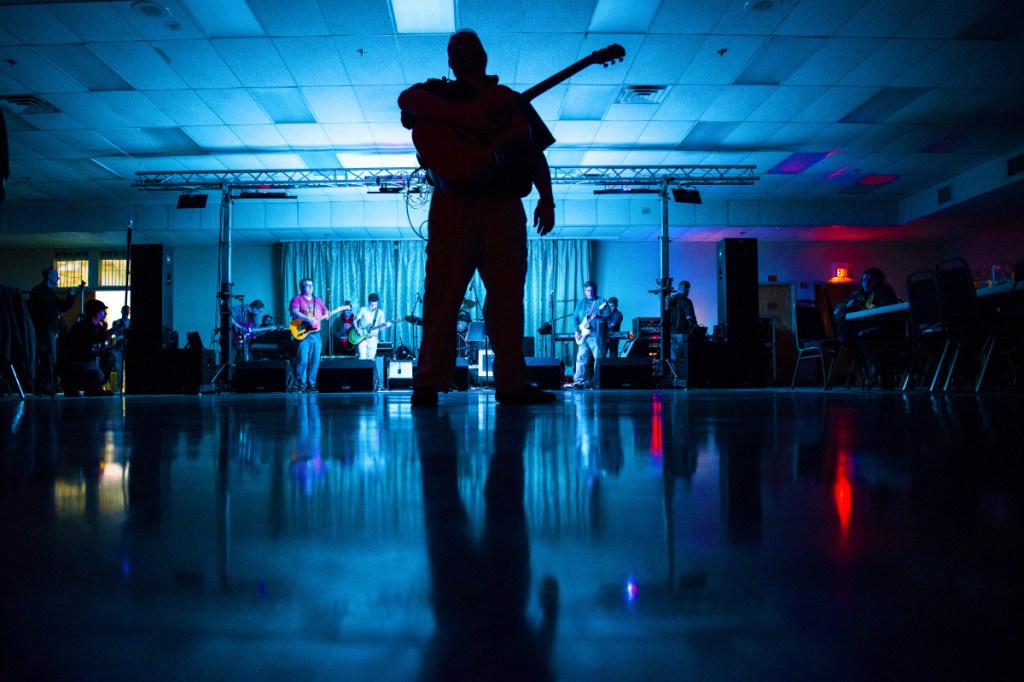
591,318
308,311
483,147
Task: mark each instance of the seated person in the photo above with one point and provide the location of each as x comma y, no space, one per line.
85,361
873,293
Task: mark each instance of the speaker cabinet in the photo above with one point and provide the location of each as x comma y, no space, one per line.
738,306
263,376
529,347
624,373
400,374
545,373
346,376
152,301
167,371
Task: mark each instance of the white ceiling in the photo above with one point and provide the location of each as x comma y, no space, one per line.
925,90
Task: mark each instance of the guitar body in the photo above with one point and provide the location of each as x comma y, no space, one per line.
300,329
456,156
238,338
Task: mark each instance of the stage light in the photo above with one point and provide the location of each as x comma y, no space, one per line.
683,195
265,195
627,190
188,200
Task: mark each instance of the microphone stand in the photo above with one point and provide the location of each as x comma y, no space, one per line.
330,331
127,285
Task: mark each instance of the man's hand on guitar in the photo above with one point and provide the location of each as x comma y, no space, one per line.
473,118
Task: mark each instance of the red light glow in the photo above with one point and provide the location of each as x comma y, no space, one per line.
656,423
842,492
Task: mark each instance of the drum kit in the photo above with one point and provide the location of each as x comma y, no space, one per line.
465,348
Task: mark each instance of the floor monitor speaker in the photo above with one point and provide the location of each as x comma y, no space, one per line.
624,373
346,376
545,373
263,376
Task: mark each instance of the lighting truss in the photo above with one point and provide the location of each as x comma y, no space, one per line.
401,178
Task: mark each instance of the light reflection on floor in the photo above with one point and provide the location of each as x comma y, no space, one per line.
756,535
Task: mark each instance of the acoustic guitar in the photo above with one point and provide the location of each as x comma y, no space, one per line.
301,329
454,155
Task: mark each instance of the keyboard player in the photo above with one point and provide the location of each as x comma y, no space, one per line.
614,322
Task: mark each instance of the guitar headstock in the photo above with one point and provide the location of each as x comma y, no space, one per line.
609,55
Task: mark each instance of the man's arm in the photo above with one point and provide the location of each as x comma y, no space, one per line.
422,104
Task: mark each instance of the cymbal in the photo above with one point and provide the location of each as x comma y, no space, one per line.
413,319
468,303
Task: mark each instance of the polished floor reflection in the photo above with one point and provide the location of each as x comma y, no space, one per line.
614,535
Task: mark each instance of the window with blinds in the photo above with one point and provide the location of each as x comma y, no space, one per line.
72,266
113,267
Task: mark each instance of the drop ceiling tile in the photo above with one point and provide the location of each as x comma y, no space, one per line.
34,25
834,60
36,74
292,18
235,106
882,17
141,64
255,62
257,137
336,104
890,61
184,107
710,65
313,61
371,59
379,104
198,64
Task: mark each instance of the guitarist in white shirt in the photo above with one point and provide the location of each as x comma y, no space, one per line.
477,220
369,320
591,319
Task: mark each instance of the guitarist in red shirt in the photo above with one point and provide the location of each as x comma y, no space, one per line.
477,219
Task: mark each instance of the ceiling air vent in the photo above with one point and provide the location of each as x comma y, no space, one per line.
643,94
945,194
24,105
1014,165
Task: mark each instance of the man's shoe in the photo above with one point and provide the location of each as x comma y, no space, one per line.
527,395
424,396
312,389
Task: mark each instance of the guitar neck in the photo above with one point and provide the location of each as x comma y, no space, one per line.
550,82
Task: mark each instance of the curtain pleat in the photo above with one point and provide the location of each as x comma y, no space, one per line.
394,270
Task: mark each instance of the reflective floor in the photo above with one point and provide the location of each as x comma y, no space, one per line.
749,535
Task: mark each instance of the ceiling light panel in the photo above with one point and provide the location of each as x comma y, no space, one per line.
292,18
34,25
95,22
283,105
81,64
623,16
335,104
777,60
587,102
424,16
224,18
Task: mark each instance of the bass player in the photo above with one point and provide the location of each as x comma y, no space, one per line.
590,317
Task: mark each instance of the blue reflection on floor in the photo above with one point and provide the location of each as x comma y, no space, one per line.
613,535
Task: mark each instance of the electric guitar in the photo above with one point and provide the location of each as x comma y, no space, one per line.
454,155
238,338
355,338
301,329
584,330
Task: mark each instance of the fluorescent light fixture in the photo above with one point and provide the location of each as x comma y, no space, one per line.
617,16
374,160
424,16
224,18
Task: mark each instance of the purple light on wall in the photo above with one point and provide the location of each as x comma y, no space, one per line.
799,162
